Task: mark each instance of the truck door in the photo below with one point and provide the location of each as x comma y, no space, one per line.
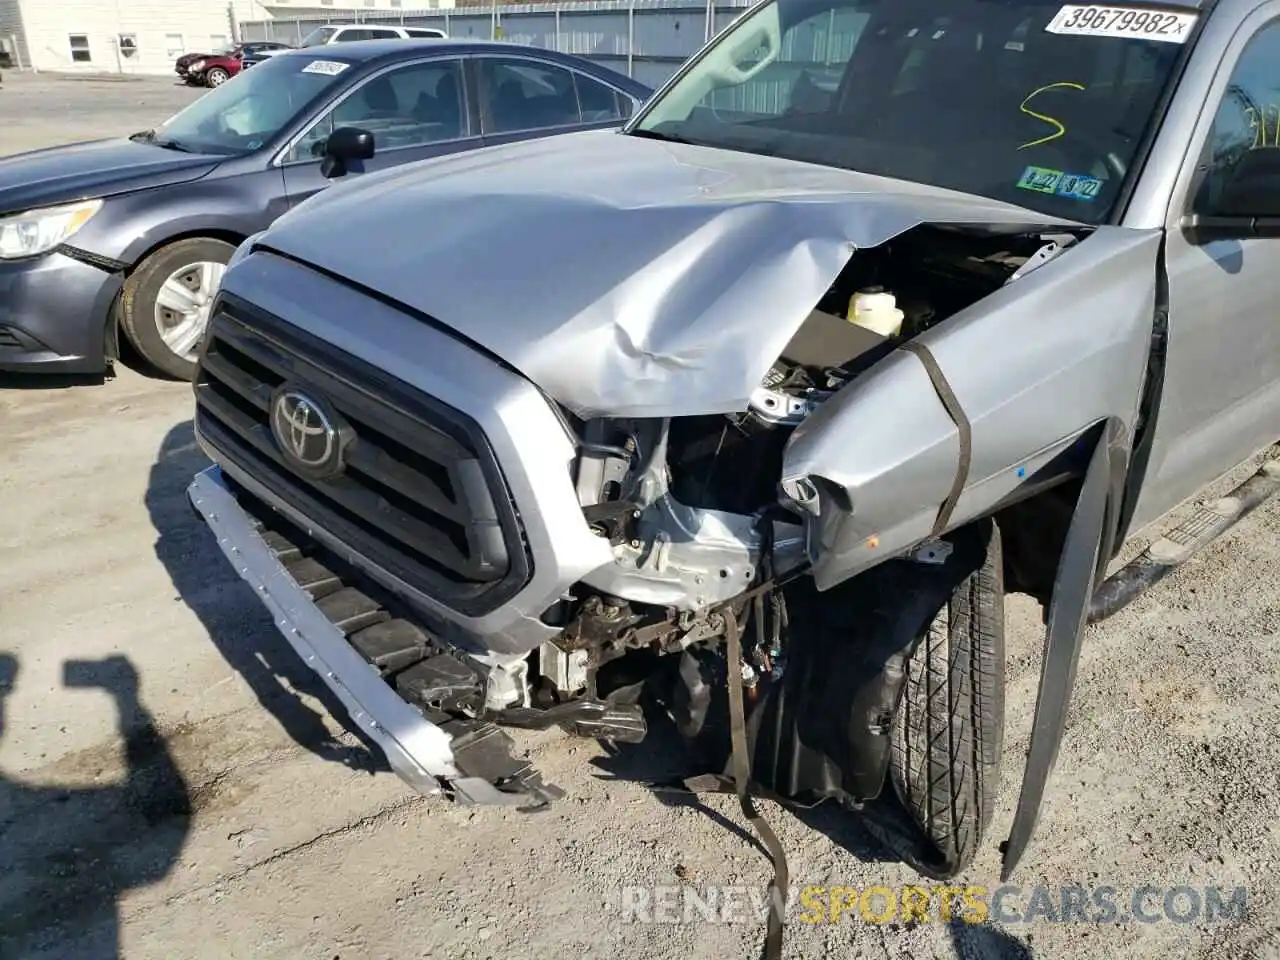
1221,393
414,111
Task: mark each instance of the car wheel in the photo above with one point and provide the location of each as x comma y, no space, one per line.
216,77
165,308
946,735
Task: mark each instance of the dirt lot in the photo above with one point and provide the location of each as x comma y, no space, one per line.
183,792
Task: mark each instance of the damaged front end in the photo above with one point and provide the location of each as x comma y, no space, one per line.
525,540
707,529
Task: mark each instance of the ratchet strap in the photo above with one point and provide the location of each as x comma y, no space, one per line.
740,783
963,428
742,780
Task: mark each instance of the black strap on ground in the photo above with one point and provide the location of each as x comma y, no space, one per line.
719,783
965,430
742,780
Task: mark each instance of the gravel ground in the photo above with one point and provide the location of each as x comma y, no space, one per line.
172,785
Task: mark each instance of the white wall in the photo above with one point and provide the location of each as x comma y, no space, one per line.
11,35
162,30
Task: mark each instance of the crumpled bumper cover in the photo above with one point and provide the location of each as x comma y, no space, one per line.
422,753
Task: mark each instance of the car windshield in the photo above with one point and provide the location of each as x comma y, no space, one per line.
1033,103
249,110
317,37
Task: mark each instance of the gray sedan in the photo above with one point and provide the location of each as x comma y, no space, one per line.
131,236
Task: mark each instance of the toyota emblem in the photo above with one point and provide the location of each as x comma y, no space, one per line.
306,433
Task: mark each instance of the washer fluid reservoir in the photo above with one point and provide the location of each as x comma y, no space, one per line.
877,311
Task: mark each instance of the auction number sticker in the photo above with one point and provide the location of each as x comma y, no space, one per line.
1086,20
330,68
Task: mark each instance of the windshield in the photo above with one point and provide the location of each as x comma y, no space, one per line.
247,111
1033,103
317,37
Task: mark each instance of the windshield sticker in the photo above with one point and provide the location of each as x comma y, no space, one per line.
1075,186
1040,179
1061,130
330,68
1086,20
1072,186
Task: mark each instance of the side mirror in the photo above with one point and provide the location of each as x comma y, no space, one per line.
345,145
1200,231
1239,200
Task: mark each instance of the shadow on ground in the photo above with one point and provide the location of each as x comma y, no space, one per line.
244,633
981,941
49,381
70,853
239,626
662,760
129,358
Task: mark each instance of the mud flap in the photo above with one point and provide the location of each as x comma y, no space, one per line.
1078,571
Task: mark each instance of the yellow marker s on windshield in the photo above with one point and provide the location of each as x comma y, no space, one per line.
1061,131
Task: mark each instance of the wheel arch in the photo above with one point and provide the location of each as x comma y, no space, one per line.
139,293
1058,534
113,329
212,232
1034,522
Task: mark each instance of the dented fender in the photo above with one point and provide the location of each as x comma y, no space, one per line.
1041,359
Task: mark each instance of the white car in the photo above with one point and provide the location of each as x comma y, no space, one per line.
344,32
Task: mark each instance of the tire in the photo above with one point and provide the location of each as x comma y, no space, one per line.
947,732
216,77
157,284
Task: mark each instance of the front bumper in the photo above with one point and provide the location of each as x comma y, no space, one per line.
54,311
422,753
417,749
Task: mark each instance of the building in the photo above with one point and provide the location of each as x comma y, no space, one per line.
146,36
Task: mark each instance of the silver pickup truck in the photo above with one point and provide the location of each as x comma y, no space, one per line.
752,412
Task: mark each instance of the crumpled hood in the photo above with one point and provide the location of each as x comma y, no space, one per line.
624,276
97,168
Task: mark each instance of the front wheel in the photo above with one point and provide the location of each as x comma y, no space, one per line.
946,736
216,77
165,308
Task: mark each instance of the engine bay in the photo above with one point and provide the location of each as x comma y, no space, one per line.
929,274
690,505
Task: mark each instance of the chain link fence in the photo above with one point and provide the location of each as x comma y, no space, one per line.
645,39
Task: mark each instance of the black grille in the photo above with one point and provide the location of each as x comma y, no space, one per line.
420,494
9,339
